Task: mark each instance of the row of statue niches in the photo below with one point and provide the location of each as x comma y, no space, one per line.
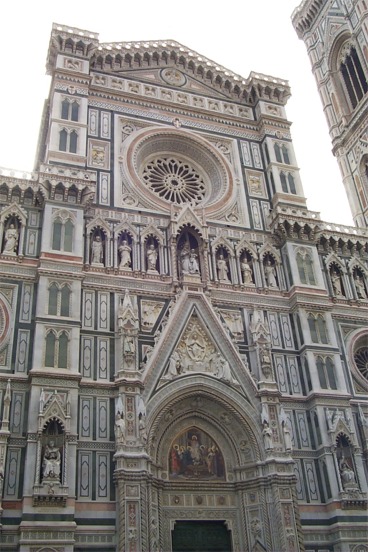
189,260
339,282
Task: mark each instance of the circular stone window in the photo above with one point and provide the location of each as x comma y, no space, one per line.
361,361
174,180
171,166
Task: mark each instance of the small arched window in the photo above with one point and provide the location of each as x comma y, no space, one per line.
317,328
50,349
75,111
53,299
352,74
277,149
285,155
65,109
291,183
57,350
68,141
284,185
73,142
305,268
59,300
326,373
62,235
63,140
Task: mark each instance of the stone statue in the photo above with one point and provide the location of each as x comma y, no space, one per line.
129,345
142,429
287,436
347,474
193,262
184,258
174,368
267,436
336,283
125,255
11,240
246,271
151,258
222,269
97,251
359,286
119,428
51,461
223,370
270,274
188,260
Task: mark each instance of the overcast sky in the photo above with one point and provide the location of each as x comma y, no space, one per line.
242,36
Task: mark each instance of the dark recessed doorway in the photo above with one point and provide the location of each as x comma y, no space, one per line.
201,536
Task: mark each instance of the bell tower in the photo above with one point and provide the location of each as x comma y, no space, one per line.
335,34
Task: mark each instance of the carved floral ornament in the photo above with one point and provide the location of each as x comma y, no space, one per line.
174,166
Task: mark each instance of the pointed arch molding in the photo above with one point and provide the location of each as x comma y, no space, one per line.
189,304
201,155
212,408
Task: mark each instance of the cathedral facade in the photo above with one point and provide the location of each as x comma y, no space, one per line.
183,344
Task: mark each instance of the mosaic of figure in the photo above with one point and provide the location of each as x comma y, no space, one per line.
194,455
11,240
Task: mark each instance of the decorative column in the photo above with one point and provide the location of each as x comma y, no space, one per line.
4,436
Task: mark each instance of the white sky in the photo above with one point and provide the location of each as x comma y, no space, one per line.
242,36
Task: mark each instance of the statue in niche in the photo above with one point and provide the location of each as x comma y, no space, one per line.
11,240
119,428
287,435
194,455
97,251
125,255
188,260
152,255
129,345
193,262
270,275
246,271
222,269
359,286
51,461
267,436
347,474
336,282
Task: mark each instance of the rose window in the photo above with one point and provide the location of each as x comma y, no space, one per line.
361,361
174,180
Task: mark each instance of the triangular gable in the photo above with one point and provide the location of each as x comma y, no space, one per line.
184,81
194,323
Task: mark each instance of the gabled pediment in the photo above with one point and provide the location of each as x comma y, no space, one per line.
170,77
193,343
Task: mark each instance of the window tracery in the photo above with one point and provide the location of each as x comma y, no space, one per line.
175,180
56,350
